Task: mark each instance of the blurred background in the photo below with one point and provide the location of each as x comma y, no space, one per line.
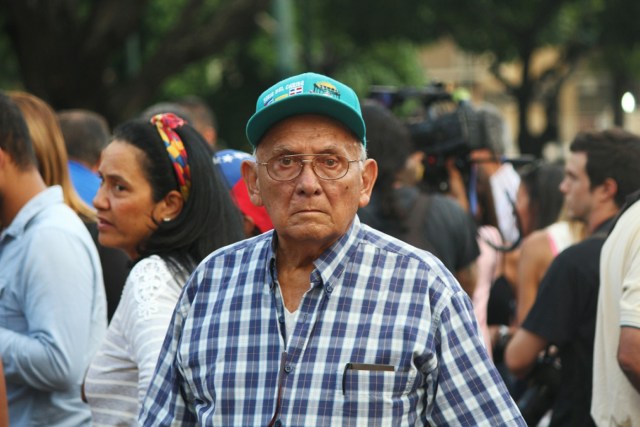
551,67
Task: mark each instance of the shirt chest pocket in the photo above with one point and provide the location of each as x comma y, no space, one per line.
378,385
378,395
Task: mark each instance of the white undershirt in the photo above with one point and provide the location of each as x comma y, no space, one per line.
289,318
289,321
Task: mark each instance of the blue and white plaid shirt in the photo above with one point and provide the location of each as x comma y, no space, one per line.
384,336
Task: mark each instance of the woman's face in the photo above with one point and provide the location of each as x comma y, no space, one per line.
124,200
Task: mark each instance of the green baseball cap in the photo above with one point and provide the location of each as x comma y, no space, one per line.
307,93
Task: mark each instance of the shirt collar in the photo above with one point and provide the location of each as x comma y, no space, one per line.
31,209
331,264
604,226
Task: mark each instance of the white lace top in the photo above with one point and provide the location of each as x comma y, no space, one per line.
120,372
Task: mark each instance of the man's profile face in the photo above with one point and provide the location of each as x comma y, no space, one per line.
307,209
576,187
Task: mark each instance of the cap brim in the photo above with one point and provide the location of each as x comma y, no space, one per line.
264,119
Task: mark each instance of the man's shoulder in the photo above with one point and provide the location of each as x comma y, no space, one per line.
384,258
242,254
577,263
240,264
55,231
44,210
56,218
585,250
382,244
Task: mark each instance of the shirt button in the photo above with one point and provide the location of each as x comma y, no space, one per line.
288,368
278,423
281,319
329,289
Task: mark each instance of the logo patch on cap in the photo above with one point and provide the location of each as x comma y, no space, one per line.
299,84
267,99
326,88
295,91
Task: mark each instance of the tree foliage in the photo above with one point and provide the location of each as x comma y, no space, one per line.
342,29
117,57
113,56
513,32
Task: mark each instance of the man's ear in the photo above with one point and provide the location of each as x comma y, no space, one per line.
5,159
609,189
369,175
170,206
249,171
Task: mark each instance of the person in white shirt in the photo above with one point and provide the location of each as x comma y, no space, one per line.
162,202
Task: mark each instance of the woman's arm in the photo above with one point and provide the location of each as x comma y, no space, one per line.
535,257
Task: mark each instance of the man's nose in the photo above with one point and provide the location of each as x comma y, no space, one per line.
563,186
307,180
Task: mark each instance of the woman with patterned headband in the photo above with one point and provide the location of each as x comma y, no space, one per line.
161,201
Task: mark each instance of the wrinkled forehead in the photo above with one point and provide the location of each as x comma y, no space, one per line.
309,133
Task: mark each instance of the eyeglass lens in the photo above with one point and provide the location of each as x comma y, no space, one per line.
325,166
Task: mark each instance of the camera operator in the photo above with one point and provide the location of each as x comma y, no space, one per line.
463,148
485,137
433,222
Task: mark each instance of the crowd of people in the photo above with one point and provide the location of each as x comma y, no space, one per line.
149,276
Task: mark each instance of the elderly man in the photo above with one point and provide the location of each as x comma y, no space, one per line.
323,321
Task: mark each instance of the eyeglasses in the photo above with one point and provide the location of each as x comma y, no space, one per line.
325,166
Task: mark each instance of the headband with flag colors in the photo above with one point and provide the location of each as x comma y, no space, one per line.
166,125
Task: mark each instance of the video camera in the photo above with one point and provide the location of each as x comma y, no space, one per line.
442,127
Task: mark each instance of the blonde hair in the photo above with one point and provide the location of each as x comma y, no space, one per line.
577,228
48,144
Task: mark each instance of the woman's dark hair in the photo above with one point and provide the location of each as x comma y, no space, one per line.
209,219
486,214
542,182
389,143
